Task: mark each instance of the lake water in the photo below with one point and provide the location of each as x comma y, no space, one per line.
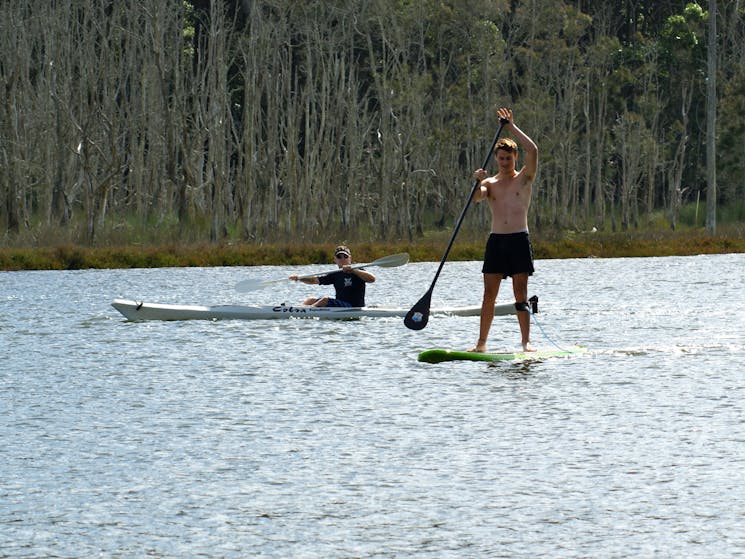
320,439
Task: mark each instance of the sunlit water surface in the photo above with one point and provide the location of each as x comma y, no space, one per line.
299,438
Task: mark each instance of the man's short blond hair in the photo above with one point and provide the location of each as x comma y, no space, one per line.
506,144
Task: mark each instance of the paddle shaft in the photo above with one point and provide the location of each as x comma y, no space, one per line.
421,308
476,184
384,262
358,267
391,261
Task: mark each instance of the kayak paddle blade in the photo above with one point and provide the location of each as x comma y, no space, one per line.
418,316
391,261
246,285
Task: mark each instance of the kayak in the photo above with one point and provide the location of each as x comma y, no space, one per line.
442,355
134,310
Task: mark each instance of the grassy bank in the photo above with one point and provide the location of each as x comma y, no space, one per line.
431,248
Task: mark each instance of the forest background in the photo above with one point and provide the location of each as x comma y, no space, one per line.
280,122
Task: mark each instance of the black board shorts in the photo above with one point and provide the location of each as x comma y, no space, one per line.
331,302
508,254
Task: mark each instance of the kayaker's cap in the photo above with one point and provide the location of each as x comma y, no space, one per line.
342,252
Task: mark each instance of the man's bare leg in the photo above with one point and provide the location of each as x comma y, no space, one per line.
520,289
523,318
322,302
491,289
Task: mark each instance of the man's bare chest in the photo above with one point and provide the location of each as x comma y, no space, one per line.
507,189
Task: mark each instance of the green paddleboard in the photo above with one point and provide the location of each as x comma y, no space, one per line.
441,355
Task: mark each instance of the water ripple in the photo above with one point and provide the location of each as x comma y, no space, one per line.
323,439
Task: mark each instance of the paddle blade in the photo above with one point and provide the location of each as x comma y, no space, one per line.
418,316
391,261
246,285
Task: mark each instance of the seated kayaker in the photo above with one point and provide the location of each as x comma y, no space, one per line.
348,282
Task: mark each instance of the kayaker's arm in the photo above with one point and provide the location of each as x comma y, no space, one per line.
313,280
364,275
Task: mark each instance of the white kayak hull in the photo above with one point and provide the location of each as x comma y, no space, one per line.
136,310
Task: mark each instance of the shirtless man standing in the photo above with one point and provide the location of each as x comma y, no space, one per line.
508,249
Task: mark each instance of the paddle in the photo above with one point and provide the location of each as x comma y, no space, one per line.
418,316
385,262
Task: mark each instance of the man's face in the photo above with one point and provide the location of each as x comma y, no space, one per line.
342,260
506,159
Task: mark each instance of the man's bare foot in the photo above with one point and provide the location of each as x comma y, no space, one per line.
528,348
478,348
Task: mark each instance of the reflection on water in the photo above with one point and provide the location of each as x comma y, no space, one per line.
518,370
305,438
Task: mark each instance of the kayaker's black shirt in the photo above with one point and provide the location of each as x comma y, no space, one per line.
349,287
